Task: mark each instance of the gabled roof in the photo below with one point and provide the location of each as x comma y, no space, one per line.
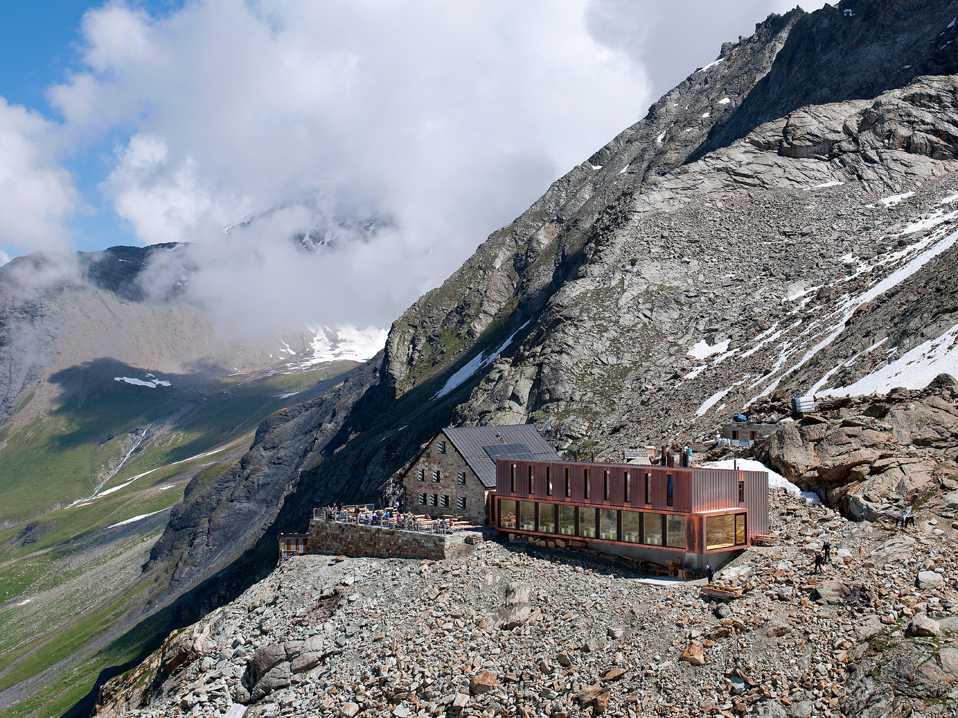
480,446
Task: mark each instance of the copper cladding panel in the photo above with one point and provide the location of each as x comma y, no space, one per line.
756,501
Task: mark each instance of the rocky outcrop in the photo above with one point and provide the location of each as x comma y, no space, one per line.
871,455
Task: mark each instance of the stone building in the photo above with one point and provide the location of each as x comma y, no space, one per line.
457,469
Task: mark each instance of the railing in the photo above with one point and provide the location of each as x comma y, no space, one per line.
390,520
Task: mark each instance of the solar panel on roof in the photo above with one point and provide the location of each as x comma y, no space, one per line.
520,452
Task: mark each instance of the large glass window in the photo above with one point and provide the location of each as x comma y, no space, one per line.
652,528
631,526
507,514
739,529
720,531
675,531
547,518
567,520
527,516
608,525
586,522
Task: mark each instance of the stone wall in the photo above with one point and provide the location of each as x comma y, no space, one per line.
449,465
331,537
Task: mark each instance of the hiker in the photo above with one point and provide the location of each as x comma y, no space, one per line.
819,560
827,550
443,525
709,572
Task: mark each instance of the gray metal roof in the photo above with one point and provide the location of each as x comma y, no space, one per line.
480,446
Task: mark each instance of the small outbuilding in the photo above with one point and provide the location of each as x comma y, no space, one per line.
455,472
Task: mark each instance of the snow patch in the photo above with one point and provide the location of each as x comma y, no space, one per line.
706,115
823,185
660,138
717,397
725,101
140,382
345,343
895,199
913,370
596,167
135,518
711,64
23,603
475,364
624,170
702,349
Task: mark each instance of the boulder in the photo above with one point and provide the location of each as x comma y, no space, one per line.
277,677
922,625
483,682
769,709
266,657
928,579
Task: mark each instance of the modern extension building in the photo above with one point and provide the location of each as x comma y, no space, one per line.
700,516
455,472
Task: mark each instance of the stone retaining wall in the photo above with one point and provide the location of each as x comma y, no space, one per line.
331,537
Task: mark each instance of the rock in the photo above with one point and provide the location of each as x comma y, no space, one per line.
928,579
277,677
601,703
266,657
482,683
615,633
769,709
722,611
460,701
545,666
564,659
614,674
349,710
922,625
693,654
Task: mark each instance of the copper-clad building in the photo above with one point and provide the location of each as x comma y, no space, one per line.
656,513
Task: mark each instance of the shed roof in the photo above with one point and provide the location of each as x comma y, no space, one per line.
480,446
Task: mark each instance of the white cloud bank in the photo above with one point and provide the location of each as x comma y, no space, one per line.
406,131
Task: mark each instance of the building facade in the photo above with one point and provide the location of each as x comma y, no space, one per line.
702,516
455,472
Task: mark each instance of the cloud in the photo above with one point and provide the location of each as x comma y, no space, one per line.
439,121
36,194
670,39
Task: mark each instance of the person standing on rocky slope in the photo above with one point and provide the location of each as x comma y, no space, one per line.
819,560
827,551
710,572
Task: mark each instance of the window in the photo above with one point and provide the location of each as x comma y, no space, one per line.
752,435
507,514
631,526
588,488
461,478
547,518
741,491
444,502
532,482
568,483
567,520
719,531
652,529
512,479
435,476
648,488
608,524
441,447
548,481
668,495
432,499
740,529
421,474
586,522
422,499
674,531
527,516
734,436
605,485
628,487
461,503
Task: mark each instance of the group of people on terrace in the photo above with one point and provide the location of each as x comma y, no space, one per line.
388,518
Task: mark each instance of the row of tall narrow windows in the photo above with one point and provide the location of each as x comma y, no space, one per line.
639,527
436,476
442,501
606,485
